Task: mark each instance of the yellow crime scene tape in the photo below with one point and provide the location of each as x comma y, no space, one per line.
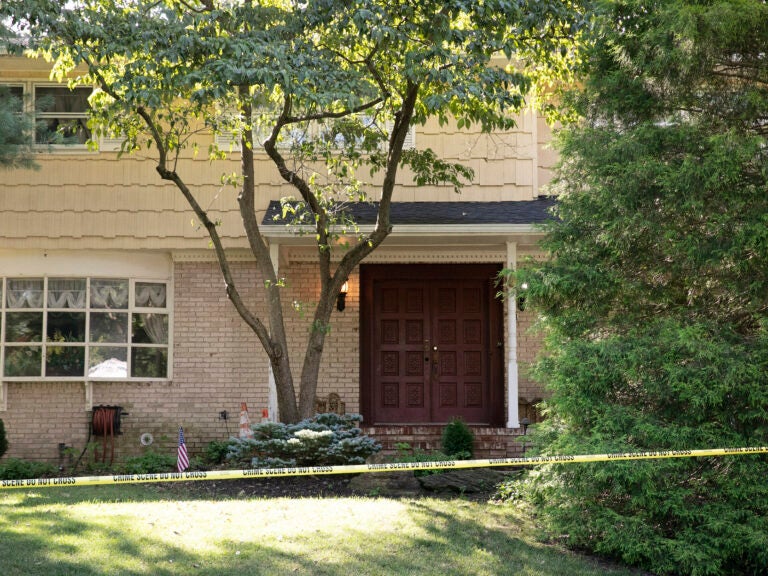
367,468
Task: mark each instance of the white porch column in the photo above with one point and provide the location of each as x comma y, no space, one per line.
512,371
274,413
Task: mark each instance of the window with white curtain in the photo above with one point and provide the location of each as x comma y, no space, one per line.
84,328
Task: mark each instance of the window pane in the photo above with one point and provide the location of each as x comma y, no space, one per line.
25,293
62,115
150,295
66,293
150,329
65,361
109,294
62,131
108,362
149,362
22,361
66,327
60,99
24,327
109,327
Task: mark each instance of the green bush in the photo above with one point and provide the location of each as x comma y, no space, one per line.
324,440
17,469
3,439
150,462
216,452
458,440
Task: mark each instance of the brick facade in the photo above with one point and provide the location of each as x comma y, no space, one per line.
217,364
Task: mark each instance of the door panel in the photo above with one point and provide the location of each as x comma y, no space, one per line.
401,373
460,336
429,343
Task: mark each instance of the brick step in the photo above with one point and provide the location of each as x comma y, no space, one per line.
489,442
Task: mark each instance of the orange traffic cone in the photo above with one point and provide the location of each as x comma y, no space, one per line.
245,426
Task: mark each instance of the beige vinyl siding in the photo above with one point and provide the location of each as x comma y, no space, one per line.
85,199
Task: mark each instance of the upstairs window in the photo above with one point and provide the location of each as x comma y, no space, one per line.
62,115
84,328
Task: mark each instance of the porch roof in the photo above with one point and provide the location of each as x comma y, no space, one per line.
513,212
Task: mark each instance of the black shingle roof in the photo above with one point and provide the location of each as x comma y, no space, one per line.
512,212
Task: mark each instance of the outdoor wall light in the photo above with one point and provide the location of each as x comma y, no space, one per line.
521,297
341,299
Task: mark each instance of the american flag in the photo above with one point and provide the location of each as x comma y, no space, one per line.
182,461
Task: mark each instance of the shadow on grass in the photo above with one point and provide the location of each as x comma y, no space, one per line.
66,532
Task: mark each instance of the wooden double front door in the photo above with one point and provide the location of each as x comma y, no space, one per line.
431,344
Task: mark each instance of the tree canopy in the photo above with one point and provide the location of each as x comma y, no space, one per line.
324,87
654,302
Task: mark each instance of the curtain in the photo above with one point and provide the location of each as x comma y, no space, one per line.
156,327
66,293
109,293
150,295
25,293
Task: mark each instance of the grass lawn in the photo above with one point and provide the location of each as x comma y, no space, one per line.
139,529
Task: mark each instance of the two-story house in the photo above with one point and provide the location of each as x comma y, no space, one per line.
111,295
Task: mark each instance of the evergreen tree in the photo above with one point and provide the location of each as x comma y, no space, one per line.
15,132
654,301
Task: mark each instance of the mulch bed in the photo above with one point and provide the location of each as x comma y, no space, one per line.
474,485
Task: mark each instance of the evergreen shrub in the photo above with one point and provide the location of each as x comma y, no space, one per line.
458,440
216,452
323,440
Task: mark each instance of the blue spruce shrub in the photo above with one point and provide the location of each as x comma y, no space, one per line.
323,440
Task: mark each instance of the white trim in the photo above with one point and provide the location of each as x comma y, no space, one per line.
410,255
513,420
3,396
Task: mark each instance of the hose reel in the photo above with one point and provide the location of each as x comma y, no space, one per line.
105,423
